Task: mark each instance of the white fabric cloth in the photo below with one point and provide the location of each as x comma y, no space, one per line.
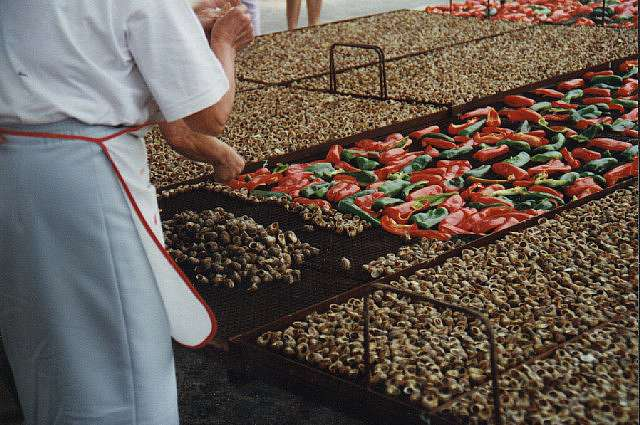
104,61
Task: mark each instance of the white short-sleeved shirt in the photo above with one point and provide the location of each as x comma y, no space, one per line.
104,62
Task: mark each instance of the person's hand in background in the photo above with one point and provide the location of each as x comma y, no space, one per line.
233,28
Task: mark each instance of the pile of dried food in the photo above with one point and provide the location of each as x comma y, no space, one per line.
221,249
615,13
547,292
501,165
482,68
286,56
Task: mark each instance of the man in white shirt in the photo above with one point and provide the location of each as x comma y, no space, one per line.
88,297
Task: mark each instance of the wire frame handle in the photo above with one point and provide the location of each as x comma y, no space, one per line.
442,304
381,66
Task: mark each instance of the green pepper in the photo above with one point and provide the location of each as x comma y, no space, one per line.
525,127
430,218
348,206
627,103
393,187
573,94
457,182
558,140
322,170
360,194
432,200
280,168
382,203
316,190
479,171
601,165
541,195
349,154
629,153
596,177
269,195
619,125
540,106
532,204
365,163
420,163
405,141
607,154
630,73
602,106
364,176
612,80
570,176
546,157
455,153
437,136
555,182
519,160
401,175
415,186
481,205
591,132
472,128
515,144
605,86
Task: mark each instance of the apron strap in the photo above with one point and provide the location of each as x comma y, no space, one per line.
100,141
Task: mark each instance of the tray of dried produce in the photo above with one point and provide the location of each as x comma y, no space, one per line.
546,291
614,13
286,56
477,69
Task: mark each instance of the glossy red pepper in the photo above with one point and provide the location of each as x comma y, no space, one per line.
537,133
597,99
431,179
563,104
518,101
555,166
523,183
616,107
446,163
428,233
263,180
554,94
580,185
346,167
630,132
566,155
489,139
545,189
507,170
453,204
585,123
319,202
333,156
533,140
493,119
620,172
429,190
438,143
392,155
556,117
631,116
416,135
480,112
486,225
576,83
341,190
589,75
485,155
389,225
628,64
393,137
383,173
345,178
628,89
461,139
454,129
509,221
366,202
372,145
523,114
597,91
609,144
432,152
585,155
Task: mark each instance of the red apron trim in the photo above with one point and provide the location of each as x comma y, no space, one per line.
100,142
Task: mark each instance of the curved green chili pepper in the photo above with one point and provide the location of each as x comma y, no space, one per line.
385,202
546,157
472,128
365,163
515,144
519,160
478,172
601,165
430,218
454,153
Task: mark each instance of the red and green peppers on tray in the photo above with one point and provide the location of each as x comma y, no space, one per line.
491,169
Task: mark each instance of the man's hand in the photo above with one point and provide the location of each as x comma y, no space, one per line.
233,28
230,165
208,11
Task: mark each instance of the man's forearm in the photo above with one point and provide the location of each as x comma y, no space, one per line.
195,146
226,54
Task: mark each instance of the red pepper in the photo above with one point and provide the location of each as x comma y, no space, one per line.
453,204
389,225
517,101
319,202
487,224
576,83
597,91
438,143
480,112
537,133
631,116
509,221
520,215
454,129
431,179
523,114
372,145
616,107
383,173
585,123
485,155
392,155
489,139
585,155
609,144
507,170
533,140
453,230
580,185
523,183
628,89
432,152
438,171
555,166
263,180
563,104
556,117
345,178
394,137
341,190
366,202
598,99
445,163
561,129
589,75
429,234
454,218
493,119
461,139
631,133
620,172
416,135
628,64
566,155
545,189
555,94
429,190
346,167
333,156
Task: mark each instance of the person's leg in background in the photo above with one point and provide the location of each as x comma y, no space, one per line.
9,407
293,13
313,11
254,11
